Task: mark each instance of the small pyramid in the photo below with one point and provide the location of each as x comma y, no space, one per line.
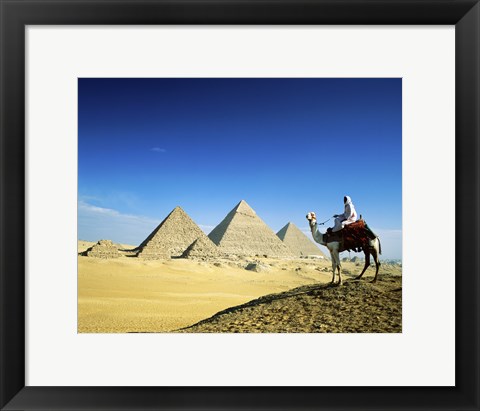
243,233
297,241
172,237
202,247
103,249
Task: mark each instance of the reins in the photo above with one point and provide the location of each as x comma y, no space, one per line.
325,221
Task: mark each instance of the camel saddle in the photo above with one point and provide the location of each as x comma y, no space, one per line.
353,236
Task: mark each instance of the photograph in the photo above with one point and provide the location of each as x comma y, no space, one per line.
245,202
239,205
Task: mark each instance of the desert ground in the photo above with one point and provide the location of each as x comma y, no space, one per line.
131,295
356,307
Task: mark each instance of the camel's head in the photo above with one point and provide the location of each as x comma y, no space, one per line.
311,217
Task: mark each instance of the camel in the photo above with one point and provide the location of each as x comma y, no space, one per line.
335,248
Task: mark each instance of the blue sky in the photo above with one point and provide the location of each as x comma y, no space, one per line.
286,146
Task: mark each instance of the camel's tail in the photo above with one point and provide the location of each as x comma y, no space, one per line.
379,246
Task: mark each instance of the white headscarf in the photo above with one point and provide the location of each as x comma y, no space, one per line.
350,214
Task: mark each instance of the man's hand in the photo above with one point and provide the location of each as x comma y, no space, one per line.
335,215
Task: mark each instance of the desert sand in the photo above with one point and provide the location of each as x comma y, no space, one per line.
129,294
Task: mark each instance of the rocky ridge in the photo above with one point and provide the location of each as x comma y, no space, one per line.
358,306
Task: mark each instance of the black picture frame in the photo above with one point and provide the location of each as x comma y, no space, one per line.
16,14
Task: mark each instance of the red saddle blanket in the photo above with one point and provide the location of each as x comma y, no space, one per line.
355,235
352,236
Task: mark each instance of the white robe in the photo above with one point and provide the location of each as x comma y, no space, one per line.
349,216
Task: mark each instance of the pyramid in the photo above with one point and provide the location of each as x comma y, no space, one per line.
202,247
103,249
297,241
172,237
243,233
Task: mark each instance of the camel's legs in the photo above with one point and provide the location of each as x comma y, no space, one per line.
339,272
335,265
367,264
377,263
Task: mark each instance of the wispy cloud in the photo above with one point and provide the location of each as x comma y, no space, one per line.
86,198
158,150
89,208
95,223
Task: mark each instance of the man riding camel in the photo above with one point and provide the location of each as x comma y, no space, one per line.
349,216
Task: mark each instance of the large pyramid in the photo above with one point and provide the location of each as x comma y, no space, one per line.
243,233
297,241
172,237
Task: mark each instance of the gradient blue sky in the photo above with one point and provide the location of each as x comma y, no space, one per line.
286,146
